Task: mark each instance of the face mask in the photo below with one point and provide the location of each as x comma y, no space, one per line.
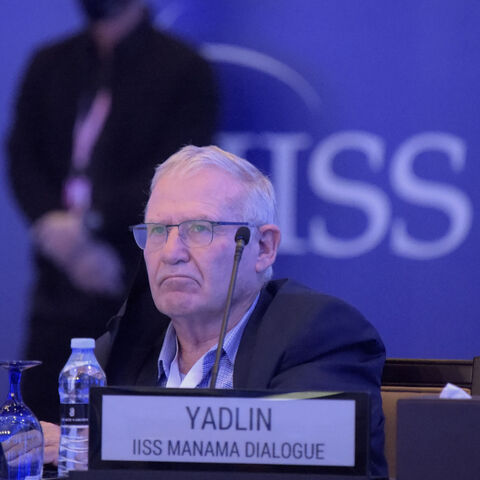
103,9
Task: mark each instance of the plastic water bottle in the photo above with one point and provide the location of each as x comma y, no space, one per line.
81,372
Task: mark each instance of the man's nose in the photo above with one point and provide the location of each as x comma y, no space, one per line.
174,250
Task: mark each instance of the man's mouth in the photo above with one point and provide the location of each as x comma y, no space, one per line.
176,280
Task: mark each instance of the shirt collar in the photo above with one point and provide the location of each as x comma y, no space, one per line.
169,350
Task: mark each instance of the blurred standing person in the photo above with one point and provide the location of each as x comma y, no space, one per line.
95,114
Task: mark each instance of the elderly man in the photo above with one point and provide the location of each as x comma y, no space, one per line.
280,334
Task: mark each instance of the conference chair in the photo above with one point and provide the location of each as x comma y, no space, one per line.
411,378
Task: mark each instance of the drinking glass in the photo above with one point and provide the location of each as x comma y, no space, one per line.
21,437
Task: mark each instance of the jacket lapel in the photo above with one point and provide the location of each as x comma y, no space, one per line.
254,365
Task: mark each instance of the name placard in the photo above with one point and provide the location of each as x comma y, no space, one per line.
299,430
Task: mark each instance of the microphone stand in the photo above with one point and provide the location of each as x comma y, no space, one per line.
242,238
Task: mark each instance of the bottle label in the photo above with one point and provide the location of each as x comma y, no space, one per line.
73,414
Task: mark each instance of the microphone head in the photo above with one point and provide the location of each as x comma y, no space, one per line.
243,234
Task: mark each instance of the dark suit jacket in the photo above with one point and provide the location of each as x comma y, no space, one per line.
296,339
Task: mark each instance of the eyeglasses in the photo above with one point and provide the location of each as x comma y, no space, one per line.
193,233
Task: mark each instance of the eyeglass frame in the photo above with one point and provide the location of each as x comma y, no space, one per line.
168,227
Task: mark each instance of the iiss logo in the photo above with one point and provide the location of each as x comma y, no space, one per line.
285,147
370,199
383,223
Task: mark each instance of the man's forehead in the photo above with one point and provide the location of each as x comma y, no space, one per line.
203,193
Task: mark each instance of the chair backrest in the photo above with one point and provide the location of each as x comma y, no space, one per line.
410,378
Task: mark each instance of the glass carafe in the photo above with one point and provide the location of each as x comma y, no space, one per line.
21,437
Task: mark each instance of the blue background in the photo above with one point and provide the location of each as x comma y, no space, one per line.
297,78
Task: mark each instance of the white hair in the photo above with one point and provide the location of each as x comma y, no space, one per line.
259,205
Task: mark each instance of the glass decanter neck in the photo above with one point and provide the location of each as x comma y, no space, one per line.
15,376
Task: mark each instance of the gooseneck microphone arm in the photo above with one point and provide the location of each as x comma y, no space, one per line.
242,238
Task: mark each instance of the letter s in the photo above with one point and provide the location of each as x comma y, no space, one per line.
371,200
453,202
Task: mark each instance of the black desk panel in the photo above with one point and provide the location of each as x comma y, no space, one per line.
438,439
192,475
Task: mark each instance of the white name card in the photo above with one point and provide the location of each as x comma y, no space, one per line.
228,430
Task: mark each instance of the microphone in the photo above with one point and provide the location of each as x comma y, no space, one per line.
242,237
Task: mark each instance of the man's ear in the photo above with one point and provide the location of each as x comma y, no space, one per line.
268,242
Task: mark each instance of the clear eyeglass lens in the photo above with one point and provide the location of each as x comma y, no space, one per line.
156,235
140,235
196,232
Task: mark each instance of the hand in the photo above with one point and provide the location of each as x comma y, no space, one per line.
91,266
98,269
51,438
60,235
14,447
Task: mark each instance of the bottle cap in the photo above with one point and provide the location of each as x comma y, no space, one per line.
82,343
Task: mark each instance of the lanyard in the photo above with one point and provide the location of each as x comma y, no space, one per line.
77,190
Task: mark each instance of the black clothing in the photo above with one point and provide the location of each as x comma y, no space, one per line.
163,97
296,339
